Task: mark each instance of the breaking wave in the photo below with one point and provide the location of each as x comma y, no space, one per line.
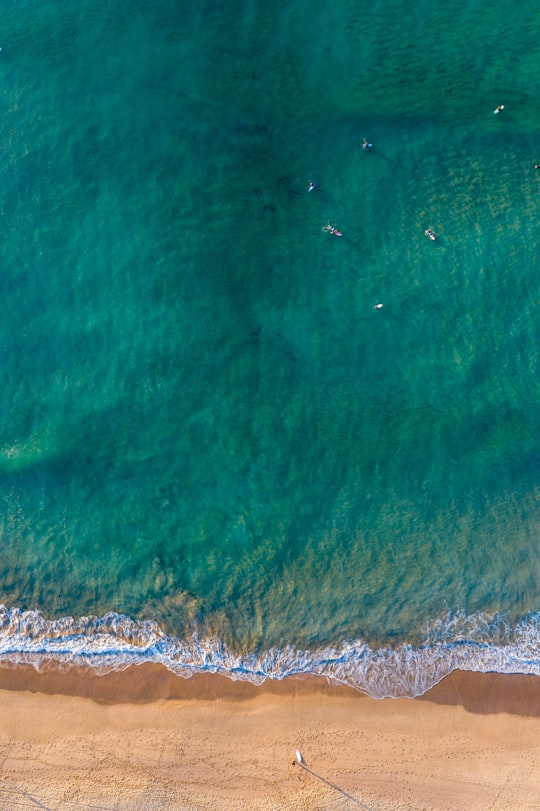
479,642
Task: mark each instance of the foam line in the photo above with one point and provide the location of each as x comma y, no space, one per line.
480,643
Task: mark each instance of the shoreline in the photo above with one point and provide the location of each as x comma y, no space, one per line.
145,738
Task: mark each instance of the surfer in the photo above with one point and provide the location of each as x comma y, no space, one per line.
312,185
499,109
377,307
429,233
366,145
332,230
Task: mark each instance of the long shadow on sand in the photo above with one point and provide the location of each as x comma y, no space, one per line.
26,798
332,785
19,798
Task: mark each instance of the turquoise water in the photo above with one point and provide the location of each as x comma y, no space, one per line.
205,427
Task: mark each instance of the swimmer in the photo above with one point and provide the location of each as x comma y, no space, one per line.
366,145
499,109
429,233
312,185
377,307
332,230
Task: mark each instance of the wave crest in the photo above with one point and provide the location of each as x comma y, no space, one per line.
478,642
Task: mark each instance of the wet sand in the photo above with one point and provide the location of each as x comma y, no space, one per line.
144,739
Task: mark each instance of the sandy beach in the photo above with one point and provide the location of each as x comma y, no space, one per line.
144,739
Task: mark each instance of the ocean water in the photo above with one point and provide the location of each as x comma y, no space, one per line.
214,452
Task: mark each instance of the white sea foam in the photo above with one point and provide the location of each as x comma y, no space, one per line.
476,642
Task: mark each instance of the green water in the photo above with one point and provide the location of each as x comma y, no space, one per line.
202,419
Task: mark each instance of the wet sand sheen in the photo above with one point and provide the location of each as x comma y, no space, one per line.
483,693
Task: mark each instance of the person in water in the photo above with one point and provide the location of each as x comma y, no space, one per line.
366,145
332,230
312,185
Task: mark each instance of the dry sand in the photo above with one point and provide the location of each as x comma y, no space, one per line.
147,740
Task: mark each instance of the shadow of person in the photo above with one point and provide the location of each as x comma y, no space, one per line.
359,247
333,786
384,157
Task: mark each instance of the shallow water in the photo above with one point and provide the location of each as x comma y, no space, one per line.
203,422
